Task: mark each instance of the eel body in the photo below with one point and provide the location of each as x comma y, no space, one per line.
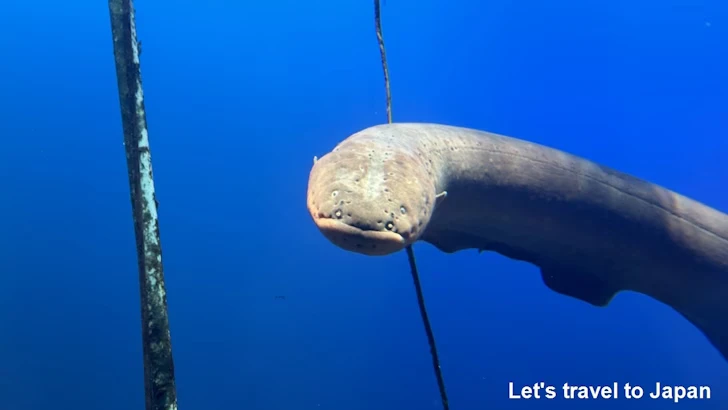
591,230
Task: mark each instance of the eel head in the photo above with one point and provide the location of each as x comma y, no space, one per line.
369,196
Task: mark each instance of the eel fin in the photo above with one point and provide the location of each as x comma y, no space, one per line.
580,285
440,197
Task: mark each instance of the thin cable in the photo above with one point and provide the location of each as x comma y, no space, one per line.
410,251
383,53
428,329
159,384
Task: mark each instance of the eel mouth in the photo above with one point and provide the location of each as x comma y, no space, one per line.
366,242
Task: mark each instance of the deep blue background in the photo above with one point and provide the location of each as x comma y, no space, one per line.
240,96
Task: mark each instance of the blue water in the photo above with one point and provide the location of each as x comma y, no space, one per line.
240,96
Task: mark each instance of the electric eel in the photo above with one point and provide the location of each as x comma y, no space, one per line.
591,230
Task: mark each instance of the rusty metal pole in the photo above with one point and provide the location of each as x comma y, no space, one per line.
159,384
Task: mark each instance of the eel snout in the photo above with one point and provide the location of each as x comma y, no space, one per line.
362,200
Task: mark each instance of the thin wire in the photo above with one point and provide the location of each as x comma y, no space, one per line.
428,329
159,383
383,53
410,251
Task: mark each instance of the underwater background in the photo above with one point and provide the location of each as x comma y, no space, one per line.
267,314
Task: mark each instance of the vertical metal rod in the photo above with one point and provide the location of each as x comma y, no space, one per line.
159,384
410,251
